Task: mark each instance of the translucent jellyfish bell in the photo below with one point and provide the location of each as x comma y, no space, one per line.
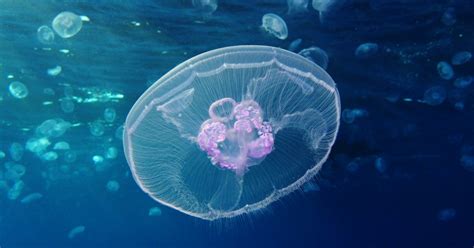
45,35
67,24
297,6
275,25
232,130
317,55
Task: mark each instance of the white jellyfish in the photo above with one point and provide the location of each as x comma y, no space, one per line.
109,114
54,71
317,55
53,128
445,70
61,145
50,156
18,90
112,186
97,128
45,35
111,153
366,50
323,6
275,25
434,95
297,6
154,211
67,24
2,154
31,198
205,6
460,58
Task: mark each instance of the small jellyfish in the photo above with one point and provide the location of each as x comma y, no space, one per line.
45,35
460,58
232,130
349,115
294,45
2,154
50,156
68,91
97,159
366,50
76,231
31,198
205,6
463,82
445,70
61,145
467,161
297,6
119,132
67,24
16,151
275,25
435,95
15,191
111,153
37,145
97,128
67,105
70,156
53,128
447,214
14,171
48,92
154,211
317,55
112,186
54,71
18,90
352,167
449,17
381,165
109,114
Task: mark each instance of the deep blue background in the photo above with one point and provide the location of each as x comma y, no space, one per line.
422,144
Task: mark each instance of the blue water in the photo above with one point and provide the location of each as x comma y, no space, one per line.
423,198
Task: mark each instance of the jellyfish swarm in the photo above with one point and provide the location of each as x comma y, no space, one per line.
232,130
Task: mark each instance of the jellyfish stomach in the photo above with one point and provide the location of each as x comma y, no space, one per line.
237,142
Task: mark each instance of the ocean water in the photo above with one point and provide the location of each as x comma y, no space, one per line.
400,174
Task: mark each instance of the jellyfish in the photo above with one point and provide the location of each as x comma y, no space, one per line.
111,153
54,71
50,156
112,186
97,128
445,70
18,90
317,55
31,198
205,6
460,58
449,17
297,6
70,156
109,114
463,82
154,211
67,24
366,50
61,145
67,105
275,25
16,151
76,231
232,130
435,95
294,45
323,6
45,35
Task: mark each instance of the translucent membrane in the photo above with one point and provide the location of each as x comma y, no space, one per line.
232,130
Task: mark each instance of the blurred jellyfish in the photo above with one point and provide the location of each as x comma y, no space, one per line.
45,35
467,161
67,24
215,136
50,156
205,6
297,6
97,159
366,50
31,198
352,167
112,186
70,156
16,151
76,231
447,214
317,55
14,171
445,70
67,105
154,211
37,145
294,45
2,154
18,90
53,128
55,70
119,132
381,165
449,17
111,153
349,115
15,191
460,58
275,25
68,91
48,92
97,128
61,145
109,114
435,95
463,82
